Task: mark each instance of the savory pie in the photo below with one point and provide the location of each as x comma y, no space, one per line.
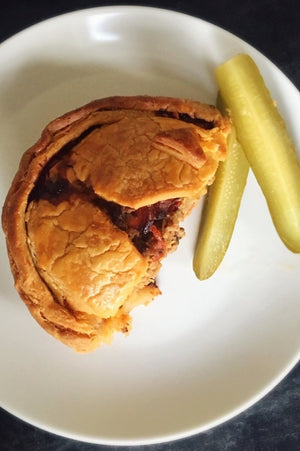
97,204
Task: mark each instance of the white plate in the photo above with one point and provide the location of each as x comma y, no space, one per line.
203,351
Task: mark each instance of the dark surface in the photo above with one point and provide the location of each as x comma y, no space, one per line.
273,27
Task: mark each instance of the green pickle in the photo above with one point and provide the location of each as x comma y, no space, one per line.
265,140
221,208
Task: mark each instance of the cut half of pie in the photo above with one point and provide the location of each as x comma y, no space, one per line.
97,204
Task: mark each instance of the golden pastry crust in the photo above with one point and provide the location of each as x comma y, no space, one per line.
74,244
164,153
77,272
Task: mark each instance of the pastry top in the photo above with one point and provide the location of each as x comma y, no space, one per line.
73,267
82,256
140,158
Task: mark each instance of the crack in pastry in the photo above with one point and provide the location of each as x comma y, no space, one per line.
97,204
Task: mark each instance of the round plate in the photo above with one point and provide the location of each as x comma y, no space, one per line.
203,351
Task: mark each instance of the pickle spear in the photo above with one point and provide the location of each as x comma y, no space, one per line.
221,208
265,140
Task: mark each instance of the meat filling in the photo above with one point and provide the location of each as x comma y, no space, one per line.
145,226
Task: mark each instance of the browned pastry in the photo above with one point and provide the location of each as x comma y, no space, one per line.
97,203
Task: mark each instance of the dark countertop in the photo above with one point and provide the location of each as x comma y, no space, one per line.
272,26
